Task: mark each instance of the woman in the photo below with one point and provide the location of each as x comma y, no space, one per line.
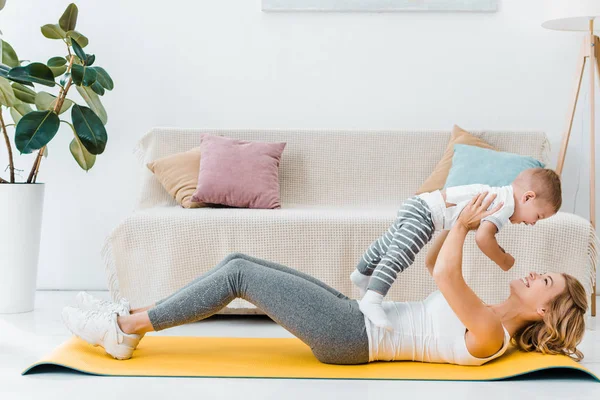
543,313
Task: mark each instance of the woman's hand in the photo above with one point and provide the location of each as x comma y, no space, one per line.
471,216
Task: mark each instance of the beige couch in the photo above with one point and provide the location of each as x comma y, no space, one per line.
340,190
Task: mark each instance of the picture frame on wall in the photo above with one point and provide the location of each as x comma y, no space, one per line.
380,5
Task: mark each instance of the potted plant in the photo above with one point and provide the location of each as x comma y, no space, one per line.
36,117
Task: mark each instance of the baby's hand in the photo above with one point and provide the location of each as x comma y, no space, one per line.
508,262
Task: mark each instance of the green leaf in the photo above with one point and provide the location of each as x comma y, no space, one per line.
76,60
19,110
89,129
89,60
69,18
65,79
77,72
56,62
78,50
83,75
23,93
97,87
35,130
58,71
7,95
21,81
84,158
57,65
53,31
4,73
2,4
93,101
34,72
104,79
45,101
81,39
9,56
66,105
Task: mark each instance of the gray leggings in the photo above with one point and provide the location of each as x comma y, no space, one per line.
329,322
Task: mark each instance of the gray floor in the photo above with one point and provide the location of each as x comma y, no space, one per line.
24,338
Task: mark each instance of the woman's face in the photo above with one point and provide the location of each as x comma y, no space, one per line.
537,290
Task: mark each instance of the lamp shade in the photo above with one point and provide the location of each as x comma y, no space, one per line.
570,15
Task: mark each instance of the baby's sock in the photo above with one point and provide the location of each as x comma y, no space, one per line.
370,305
360,281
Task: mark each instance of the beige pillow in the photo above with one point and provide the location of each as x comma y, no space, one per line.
178,173
438,177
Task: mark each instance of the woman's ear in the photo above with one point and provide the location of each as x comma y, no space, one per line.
541,311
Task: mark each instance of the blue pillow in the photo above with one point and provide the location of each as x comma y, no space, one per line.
472,164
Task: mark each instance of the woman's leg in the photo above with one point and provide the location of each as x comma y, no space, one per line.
266,263
332,325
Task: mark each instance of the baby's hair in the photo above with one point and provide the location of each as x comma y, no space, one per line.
544,182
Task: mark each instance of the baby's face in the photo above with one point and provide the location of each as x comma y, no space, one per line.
529,210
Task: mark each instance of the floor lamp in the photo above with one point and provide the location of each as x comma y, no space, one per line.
579,15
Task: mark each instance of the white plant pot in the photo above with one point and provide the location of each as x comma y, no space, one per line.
21,207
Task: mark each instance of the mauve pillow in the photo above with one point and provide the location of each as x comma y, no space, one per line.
238,173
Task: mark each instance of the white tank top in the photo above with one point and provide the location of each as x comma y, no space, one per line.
426,331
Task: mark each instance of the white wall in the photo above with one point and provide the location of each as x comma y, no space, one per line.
226,64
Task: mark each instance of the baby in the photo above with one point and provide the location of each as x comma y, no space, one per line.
534,194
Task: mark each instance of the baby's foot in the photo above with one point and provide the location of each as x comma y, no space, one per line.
370,305
360,281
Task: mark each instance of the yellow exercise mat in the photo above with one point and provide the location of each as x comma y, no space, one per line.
274,358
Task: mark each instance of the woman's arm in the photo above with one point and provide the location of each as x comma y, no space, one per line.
485,334
434,250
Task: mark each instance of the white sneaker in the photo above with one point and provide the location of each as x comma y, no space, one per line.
100,328
86,301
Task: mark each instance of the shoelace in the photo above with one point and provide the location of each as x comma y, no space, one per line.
90,315
97,314
113,305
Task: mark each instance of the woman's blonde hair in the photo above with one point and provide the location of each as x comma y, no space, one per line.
563,325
